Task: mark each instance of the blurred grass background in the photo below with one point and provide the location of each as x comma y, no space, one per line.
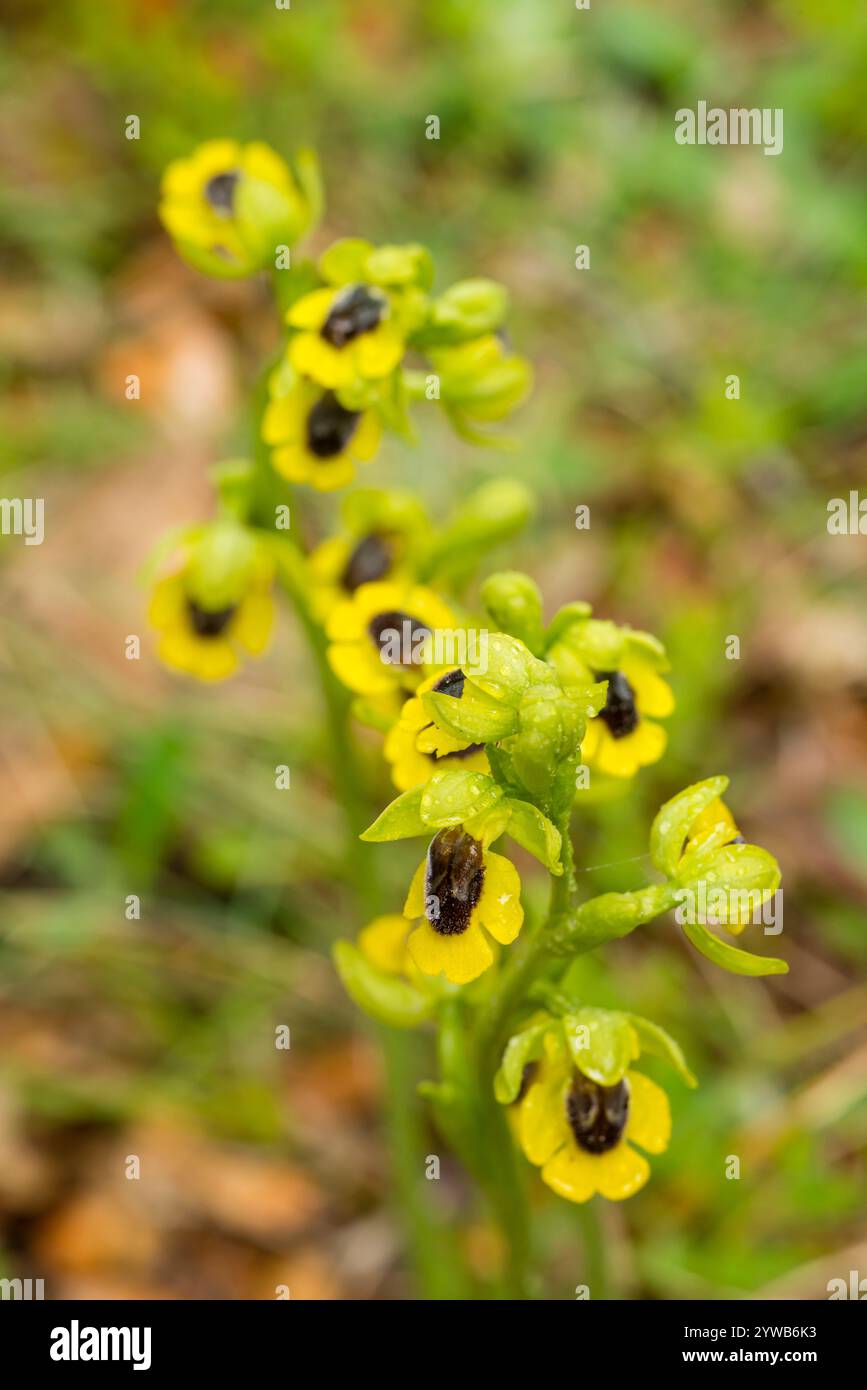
156,1037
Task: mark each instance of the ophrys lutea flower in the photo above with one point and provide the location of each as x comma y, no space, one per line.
314,437
624,736
383,638
217,607
581,1107
228,206
463,893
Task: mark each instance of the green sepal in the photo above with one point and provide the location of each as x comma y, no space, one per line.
511,669
221,564
659,1043
536,834
400,820
731,869
564,618
455,798
526,1046
673,819
387,998
731,958
345,261
475,716
399,266
466,310
601,1043
266,217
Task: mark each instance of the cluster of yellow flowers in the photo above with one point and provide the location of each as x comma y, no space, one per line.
487,716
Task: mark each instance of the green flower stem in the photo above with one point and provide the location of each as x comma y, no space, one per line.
524,960
593,1241
436,1269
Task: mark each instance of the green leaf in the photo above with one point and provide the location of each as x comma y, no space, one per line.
400,820
737,962
535,833
602,1044
388,998
524,1047
673,819
450,798
658,1043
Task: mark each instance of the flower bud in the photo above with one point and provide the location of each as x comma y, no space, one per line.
467,310
515,605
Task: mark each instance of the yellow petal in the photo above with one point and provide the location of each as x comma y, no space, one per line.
461,958
328,475
311,310
329,560
285,418
313,356
378,353
209,660
622,757
592,739
359,667
571,1173
168,603
653,695
293,461
649,1122
261,162
620,1172
414,905
543,1126
499,907
254,620
650,742
367,437
383,941
409,767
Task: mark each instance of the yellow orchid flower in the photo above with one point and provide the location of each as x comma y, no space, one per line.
463,892
381,638
581,1134
314,438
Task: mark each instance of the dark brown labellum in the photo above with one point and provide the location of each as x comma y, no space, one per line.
620,713
410,633
330,426
452,683
597,1115
453,880
355,312
370,560
210,622
220,192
